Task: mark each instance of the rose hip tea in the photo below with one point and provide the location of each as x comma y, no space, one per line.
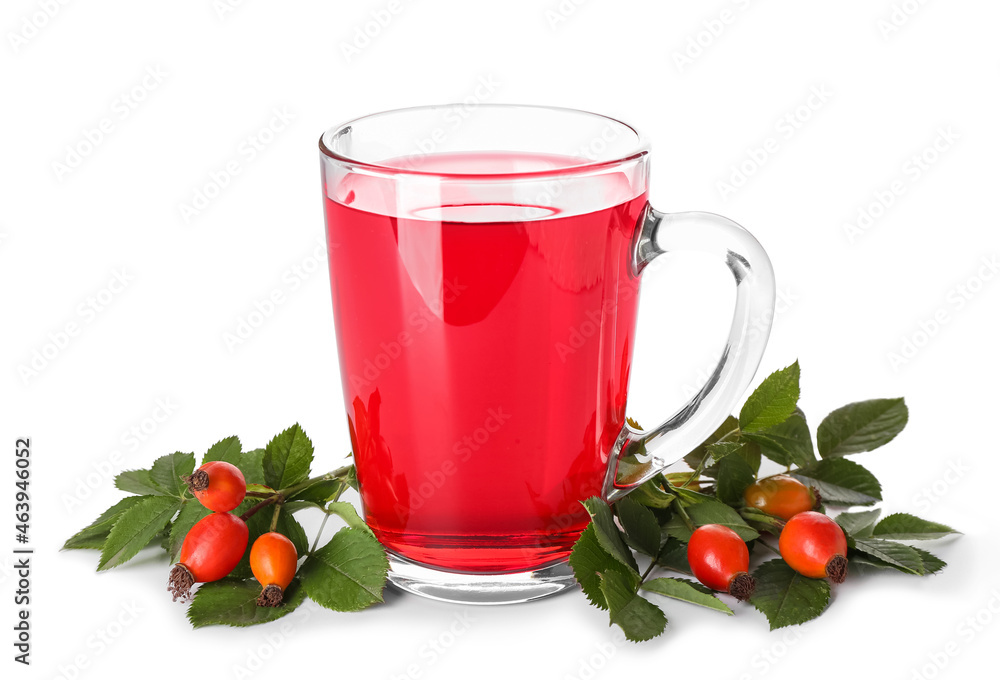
485,276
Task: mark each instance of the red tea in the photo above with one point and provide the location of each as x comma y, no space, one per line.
485,347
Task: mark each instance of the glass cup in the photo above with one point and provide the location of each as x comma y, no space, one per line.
485,267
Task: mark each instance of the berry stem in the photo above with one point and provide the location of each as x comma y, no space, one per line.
684,516
319,534
260,506
260,494
274,517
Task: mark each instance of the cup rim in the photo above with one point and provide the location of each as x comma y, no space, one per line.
638,149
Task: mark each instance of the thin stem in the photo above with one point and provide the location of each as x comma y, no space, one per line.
274,517
260,506
648,569
684,516
319,533
260,494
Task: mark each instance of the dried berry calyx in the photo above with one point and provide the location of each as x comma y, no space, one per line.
742,586
836,569
198,481
271,596
180,582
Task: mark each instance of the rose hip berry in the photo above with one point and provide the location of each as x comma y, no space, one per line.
815,546
219,485
781,496
211,550
273,559
719,558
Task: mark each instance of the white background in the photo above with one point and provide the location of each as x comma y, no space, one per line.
849,302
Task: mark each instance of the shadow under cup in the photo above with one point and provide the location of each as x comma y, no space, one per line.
485,295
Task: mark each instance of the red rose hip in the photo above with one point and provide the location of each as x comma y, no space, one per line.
720,559
218,485
211,550
815,546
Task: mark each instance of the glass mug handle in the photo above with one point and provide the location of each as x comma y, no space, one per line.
655,450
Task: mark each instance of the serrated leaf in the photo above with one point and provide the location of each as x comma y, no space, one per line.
252,466
733,478
710,512
652,495
681,589
906,527
902,557
167,471
348,573
607,532
932,563
642,531
786,597
773,401
135,528
229,450
638,618
727,430
352,478
858,524
673,555
320,492
588,559
720,450
861,426
788,443
349,514
231,602
287,458
92,536
841,482
190,514
634,424
138,482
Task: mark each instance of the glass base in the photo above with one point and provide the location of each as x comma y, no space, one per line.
466,588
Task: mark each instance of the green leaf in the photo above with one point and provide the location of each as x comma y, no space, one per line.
728,430
642,531
229,450
788,443
786,597
607,532
681,589
639,618
135,528
231,602
902,557
352,478
287,458
167,471
773,401
861,426
906,527
588,560
92,536
652,495
710,512
734,477
932,563
138,482
349,514
320,492
348,573
858,524
673,555
252,466
720,450
190,514
841,482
